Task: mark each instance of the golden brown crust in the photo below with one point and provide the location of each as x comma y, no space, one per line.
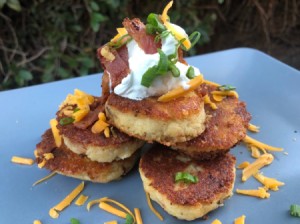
71,164
179,108
225,127
216,177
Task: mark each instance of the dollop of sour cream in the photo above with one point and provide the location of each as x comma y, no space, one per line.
140,62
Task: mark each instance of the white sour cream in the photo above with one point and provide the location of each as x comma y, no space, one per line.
140,62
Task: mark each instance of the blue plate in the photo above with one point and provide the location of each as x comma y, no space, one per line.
270,88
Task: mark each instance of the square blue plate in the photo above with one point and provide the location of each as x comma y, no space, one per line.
270,89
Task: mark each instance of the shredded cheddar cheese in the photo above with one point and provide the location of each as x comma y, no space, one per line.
55,132
121,32
81,200
218,98
35,152
211,83
180,91
53,212
255,153
260,192
253,168
106,53
48,156
164,16
37,222
243,165
138,216
22,160
42,164
99,126
106,207
93,202
240,220
216,221
269,183
44,178
226,93
253,128
111,222
251,141
107,132
208,101
159,216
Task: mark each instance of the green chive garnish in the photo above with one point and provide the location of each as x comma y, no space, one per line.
74,221
76,109
66,120
175,71
129,219
295,210
120,42
149,76
185,177
226,88
154,25
190,73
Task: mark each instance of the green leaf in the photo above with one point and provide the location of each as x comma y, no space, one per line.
14,4
63,73
96,19
94,6
129,219
2,3
22,77
186,177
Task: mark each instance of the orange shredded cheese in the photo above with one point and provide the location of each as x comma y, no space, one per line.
260,192
218,98
22,160
55,132
48,156
106,207
121,32
35,152
240,220
253,128
152,208
106,53
253,168
216,221
225,93
138,216
53,213
99,126
255,153
44,178
180,91
243,165
107,132
111,222
42,164
37,222
251,141
164,16
102,116
211,83
81,200
269,183
93,202
208,101
66,201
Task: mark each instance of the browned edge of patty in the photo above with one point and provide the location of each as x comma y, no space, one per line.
71,164
160,165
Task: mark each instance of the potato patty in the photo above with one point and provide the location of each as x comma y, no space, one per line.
158,168
71,164
175,121
225,127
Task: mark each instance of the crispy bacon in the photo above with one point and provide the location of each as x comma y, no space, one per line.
137,30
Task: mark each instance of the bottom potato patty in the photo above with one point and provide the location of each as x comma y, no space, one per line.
187,201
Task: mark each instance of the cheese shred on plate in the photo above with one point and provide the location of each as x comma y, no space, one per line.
81,200
240,220
261,192
253,168
253,128
22,160
269,183
44,178
53,212
216,221
152,208
208,101
138,216
251,141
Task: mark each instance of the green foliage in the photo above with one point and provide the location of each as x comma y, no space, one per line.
43,41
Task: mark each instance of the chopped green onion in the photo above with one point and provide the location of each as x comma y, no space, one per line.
120,42
154,24
226,88
295,210
156,70
129,219
76,109
74,221
66,120
190,73
175,71
194,38
185,177
164,34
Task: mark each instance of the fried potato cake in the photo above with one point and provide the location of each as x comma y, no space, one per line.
79,138
166,122
225,127
70,164
158,168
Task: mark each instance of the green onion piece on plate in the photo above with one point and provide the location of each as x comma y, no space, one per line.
226,88
174,70
295,210
74,221
66,120
129,219
186,177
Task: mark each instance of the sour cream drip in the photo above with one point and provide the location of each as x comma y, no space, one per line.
139,63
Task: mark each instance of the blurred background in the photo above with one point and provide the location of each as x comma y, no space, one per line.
43,41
